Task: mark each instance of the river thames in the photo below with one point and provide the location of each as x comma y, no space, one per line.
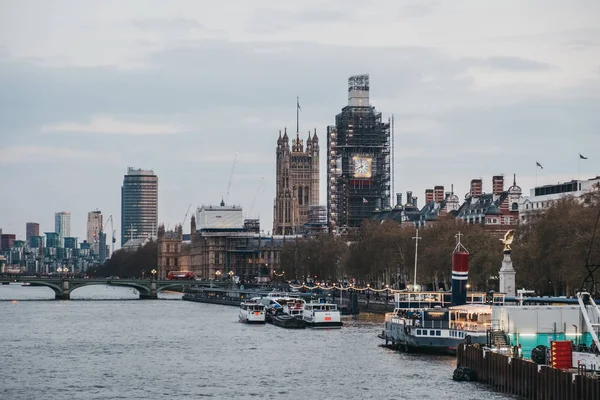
123,348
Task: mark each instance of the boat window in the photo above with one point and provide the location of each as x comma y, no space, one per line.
438,333
432,333
418,331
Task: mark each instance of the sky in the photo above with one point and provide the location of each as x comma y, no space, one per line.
89,88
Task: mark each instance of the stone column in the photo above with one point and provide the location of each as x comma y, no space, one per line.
507,276
64,294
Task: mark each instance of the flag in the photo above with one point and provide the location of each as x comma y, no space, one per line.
298,104
539,165
365,200
582,157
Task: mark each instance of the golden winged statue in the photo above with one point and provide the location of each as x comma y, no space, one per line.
508,239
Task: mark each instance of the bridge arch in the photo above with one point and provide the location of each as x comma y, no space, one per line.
143,290
160,288
56,288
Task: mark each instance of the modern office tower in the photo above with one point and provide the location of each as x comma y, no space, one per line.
139,205
31,229
62,226
94,228
358,160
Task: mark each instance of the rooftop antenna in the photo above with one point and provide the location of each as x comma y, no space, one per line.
230,178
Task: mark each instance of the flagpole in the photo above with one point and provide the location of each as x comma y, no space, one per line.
297,114
578,166
536,173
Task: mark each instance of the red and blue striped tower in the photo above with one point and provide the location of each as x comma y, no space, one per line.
460,273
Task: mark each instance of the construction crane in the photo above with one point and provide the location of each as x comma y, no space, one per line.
260,185
231,177
186,214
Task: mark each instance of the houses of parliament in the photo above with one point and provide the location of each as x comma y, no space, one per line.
297,183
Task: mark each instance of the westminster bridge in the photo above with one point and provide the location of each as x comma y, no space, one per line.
147,288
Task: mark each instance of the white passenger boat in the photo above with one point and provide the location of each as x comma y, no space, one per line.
322,315
252,312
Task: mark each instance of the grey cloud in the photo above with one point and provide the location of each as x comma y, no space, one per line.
508,63
217,74
177,28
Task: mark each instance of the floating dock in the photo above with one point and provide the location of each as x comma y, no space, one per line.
524,378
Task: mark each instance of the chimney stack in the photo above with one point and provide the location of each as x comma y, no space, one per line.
438,194
409,198
428,196
498,184
476,188
399,199
414,201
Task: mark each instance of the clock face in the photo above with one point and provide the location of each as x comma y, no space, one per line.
362,167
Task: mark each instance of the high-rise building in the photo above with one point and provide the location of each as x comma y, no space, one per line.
297,186
94,228
31,229
358,160
139,205
62,226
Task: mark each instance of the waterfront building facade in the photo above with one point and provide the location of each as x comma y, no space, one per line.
62,226
297,182
358,160
542,197
220,245
31,229
169,250
139,205
498,210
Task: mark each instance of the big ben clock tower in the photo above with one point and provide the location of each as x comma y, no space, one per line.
358,160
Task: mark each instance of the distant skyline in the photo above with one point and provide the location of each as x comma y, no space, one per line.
476,88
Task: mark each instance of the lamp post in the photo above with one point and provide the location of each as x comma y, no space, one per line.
153,272
230,275
218,275
59,270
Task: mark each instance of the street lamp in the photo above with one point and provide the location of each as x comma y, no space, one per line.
153,272
230,275
59,270
218,274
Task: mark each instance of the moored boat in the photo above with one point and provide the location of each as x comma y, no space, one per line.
283,320
252,312
322,315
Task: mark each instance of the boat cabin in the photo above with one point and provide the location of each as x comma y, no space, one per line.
471,317
426,300
252,306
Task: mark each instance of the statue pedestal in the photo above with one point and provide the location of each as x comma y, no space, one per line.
507,276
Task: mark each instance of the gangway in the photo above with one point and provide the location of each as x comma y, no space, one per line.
591,327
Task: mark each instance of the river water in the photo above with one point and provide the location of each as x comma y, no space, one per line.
122,348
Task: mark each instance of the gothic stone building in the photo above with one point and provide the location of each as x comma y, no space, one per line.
221,243
297,186
169,250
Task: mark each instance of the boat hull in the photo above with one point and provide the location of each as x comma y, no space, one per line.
317,325
431,340
288,322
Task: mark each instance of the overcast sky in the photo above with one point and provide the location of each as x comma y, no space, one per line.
477,88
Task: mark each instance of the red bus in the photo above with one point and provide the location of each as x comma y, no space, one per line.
181,275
